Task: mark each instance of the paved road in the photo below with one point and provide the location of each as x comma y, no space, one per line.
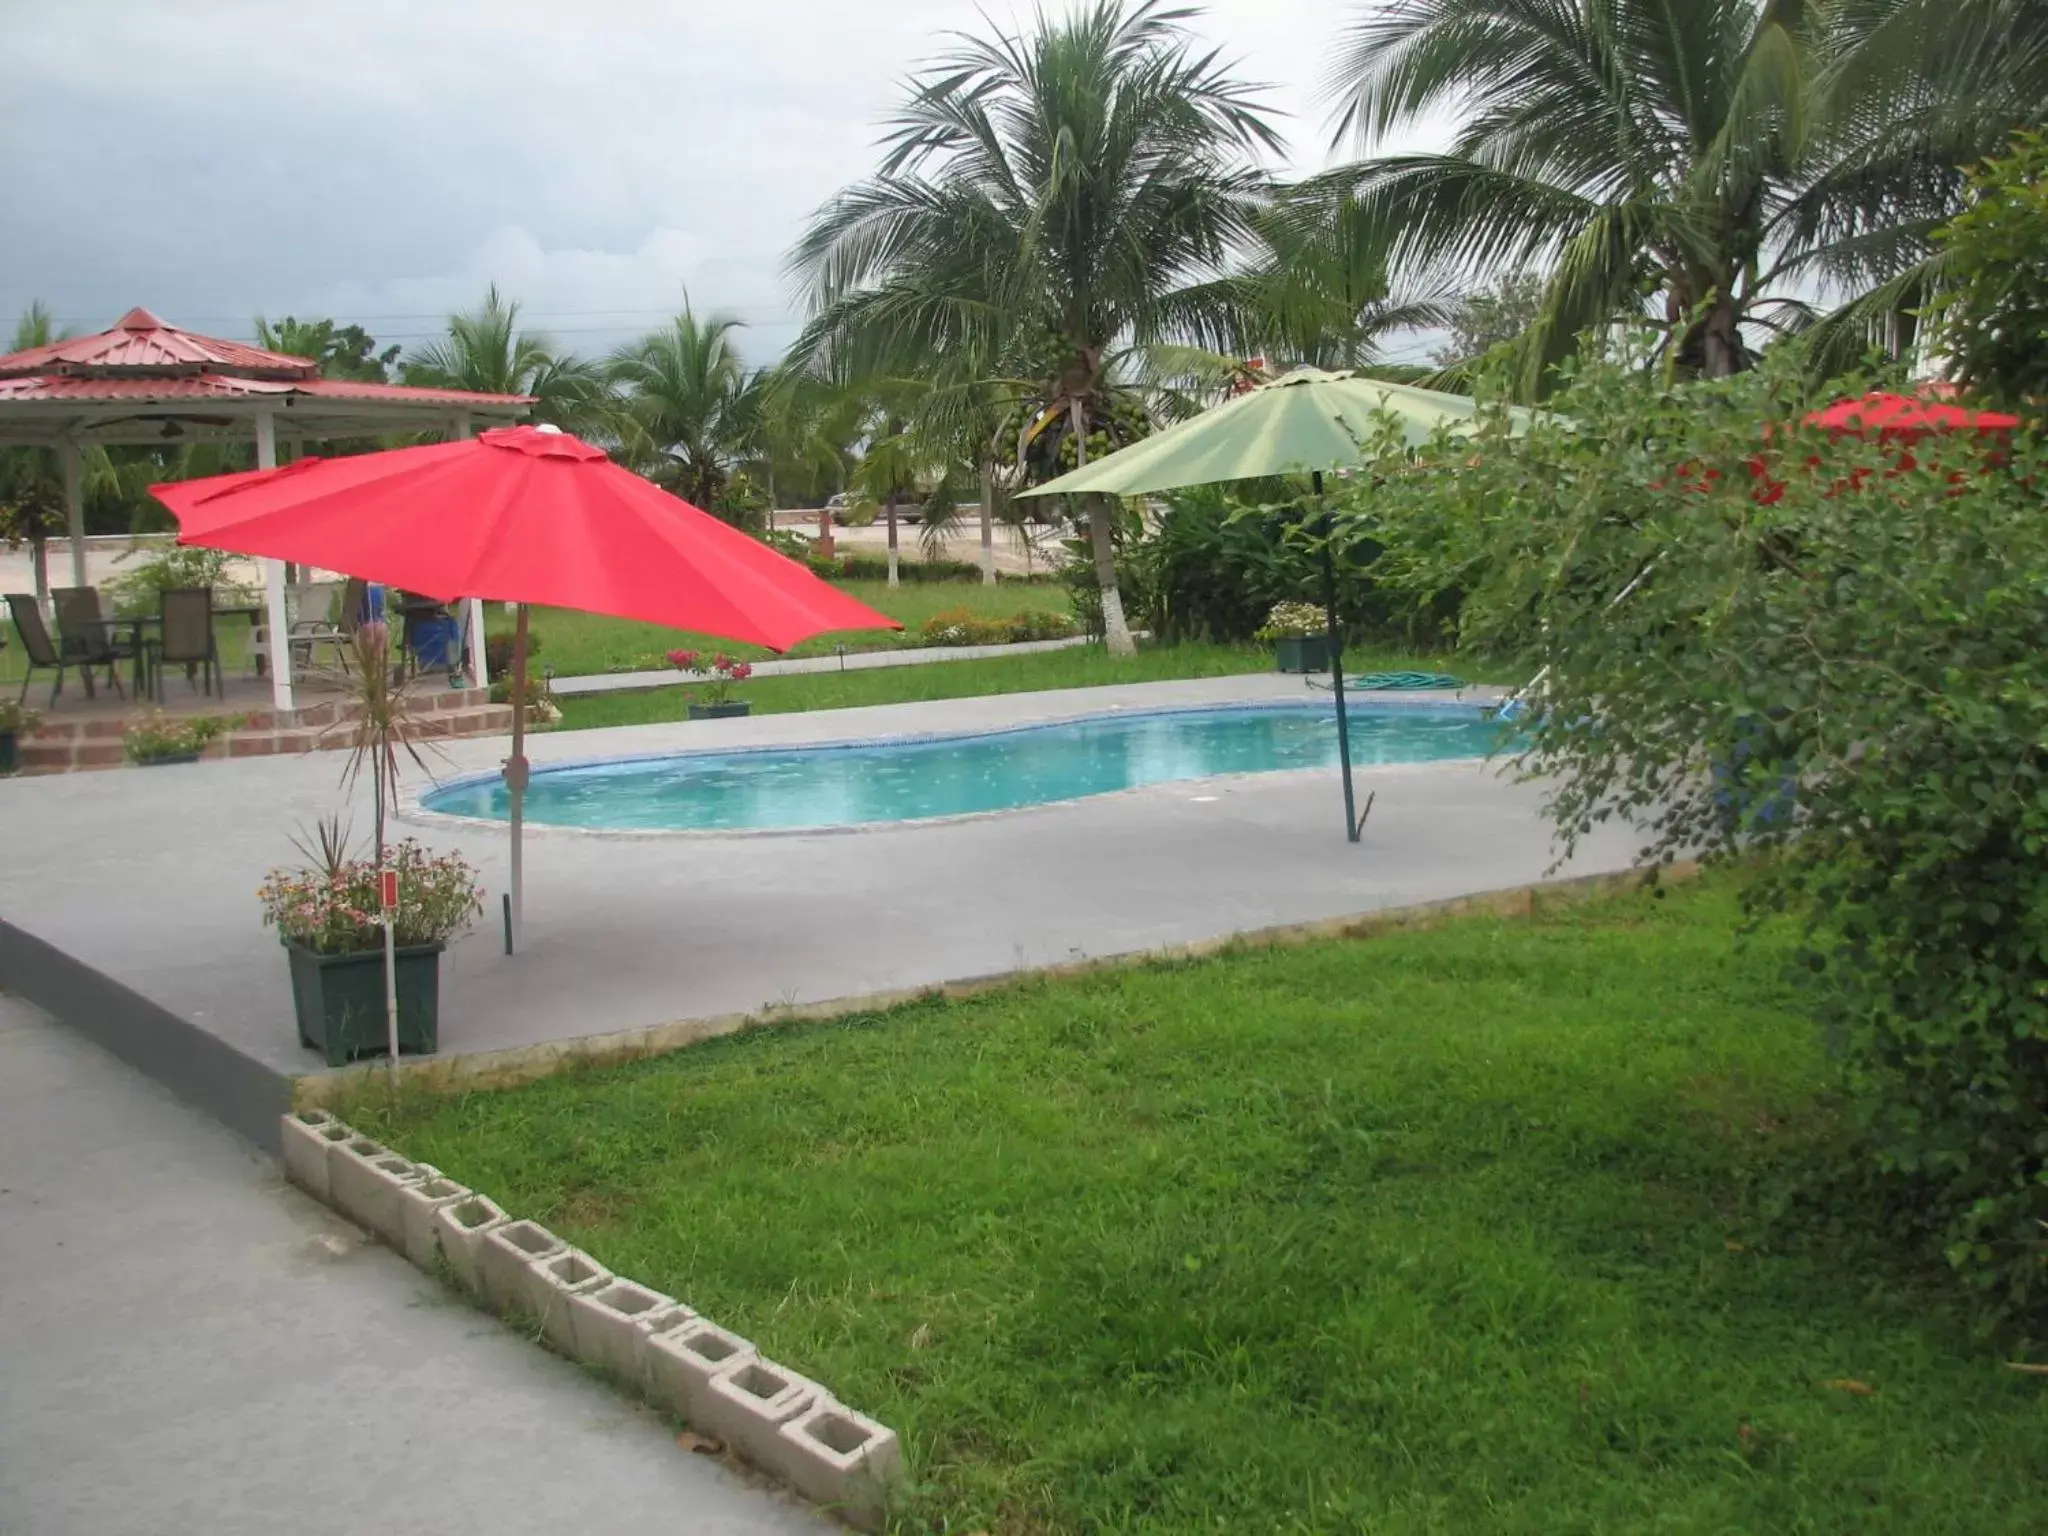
188,1345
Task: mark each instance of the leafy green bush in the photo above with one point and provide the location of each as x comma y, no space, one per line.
963,626
1762,640
498,652
153,736
169,569
1994,314
876,568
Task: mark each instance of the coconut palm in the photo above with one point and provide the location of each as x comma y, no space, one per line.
690,408
1717,159
486,351
1081,183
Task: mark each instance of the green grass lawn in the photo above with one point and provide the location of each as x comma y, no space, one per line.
1446,1231
578,644
1087,666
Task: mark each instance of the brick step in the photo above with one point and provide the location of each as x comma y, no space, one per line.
83,744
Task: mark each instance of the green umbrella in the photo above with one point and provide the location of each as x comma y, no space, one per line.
1304,422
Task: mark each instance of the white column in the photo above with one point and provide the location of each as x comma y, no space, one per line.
273,584
479,665
69,465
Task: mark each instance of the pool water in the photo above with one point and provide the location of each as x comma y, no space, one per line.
910,780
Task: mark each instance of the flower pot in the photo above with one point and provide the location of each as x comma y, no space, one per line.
728,711
1304,653
339,1000
10,752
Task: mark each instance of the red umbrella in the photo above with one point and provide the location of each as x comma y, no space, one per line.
1906,417
523,515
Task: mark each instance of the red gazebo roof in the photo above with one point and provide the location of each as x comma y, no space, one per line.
127,383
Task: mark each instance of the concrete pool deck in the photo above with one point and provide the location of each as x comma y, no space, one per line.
147,880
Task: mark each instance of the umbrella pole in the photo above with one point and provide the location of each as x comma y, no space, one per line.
1337,665
515,777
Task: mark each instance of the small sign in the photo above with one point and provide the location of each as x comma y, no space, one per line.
387,888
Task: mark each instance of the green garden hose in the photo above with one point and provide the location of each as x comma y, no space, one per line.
1391,682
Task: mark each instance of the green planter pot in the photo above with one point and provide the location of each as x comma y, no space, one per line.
1304,653
340,1001
166,760
730,711
10,751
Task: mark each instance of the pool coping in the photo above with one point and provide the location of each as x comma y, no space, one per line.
412,809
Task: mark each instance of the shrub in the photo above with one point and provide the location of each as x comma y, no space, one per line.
963,626
498,652
1828,652
169,569
541,708
154,735
876,568
1994,315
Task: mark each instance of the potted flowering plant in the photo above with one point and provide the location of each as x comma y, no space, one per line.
15,723
1300,636
329,919
714,700
154,737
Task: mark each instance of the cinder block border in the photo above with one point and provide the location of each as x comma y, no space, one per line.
525,1064
650,1345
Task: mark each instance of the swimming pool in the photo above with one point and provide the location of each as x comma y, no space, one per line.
791,788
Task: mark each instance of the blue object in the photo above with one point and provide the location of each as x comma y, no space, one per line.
962,775
436,643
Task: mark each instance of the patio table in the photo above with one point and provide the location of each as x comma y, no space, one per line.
134,627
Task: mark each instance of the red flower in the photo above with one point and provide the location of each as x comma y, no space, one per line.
684,660
741,671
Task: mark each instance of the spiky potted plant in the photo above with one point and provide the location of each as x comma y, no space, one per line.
364,954
1300,636
329,917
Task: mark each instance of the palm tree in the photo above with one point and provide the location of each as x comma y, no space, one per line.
1707,157
486,351
1316,290
690,406
1078,184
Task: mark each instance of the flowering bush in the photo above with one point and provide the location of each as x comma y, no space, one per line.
1294,621
963,626
721,670
153,735
335,911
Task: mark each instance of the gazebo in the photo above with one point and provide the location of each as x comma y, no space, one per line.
145,382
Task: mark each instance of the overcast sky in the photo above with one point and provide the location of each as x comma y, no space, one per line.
382,160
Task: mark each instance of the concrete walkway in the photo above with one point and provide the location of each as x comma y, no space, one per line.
187,1344
853,661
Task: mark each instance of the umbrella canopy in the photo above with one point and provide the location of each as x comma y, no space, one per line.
525,515
1304,422
1904,417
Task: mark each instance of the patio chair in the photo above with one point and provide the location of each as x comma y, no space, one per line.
83,639
338,632
186,637
38,650
316,622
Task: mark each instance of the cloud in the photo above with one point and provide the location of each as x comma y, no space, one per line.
382,160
